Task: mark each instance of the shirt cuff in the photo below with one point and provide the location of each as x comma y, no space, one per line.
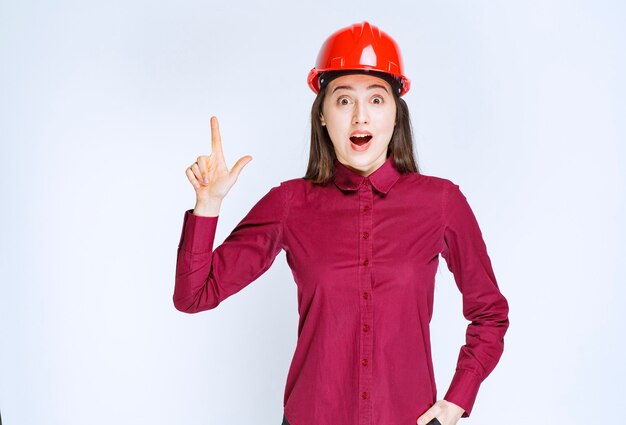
463,390
198,233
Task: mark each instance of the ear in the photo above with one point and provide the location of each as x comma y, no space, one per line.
322,119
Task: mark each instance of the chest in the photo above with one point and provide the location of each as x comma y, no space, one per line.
344,234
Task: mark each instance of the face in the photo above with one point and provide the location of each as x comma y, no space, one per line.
359,112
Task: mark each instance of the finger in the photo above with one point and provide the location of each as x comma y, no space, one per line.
196,171
216,137
429,419
426,418
203,166
239,166
423,420
192,178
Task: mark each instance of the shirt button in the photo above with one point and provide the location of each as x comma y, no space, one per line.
364,362
366,182
366,208
365,235
366,327
364,395
366,262
366,295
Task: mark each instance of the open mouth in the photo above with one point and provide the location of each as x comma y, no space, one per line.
360,140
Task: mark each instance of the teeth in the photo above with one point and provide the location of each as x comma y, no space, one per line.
361,135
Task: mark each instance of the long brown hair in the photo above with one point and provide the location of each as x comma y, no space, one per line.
322,152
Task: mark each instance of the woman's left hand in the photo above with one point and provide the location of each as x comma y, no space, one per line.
446,413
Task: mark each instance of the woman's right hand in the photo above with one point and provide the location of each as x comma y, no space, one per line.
209,175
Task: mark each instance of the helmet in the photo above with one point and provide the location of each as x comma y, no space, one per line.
361,48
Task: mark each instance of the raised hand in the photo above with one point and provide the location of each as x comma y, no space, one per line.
209,175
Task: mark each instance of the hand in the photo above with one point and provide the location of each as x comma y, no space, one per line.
209,175
446,413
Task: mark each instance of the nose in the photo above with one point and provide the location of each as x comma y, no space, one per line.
360,114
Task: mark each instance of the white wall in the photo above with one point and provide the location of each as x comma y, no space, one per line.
104,104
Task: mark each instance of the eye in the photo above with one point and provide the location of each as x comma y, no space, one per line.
377,100
343,100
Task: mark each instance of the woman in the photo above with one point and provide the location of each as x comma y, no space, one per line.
362,232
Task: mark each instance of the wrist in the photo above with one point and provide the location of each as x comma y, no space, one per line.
209,207
455,407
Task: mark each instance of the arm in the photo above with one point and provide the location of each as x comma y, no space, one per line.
206,276
483,303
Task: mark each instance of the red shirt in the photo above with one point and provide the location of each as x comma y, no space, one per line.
364,252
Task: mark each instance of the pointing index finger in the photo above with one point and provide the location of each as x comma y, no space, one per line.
216,138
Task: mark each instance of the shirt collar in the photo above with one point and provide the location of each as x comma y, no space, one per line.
382,178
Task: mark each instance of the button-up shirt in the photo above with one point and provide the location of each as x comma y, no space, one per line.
363,251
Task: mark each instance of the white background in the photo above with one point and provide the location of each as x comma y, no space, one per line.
103,105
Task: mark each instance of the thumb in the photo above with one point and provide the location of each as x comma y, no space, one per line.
239,166
426,418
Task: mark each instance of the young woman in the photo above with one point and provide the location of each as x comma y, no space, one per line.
362,232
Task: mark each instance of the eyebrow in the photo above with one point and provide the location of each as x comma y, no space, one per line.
368,87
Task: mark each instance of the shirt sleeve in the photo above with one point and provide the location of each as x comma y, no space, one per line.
483,303
206,276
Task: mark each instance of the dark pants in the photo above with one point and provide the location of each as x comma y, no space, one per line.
433,422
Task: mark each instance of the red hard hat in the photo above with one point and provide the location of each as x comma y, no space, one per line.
361,47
